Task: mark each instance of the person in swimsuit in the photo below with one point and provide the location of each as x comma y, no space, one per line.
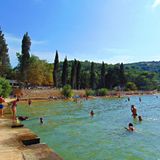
1,105
134,111
13,107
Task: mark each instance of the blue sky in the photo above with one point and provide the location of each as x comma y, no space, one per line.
112,31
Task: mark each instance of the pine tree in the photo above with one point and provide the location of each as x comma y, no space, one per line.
92,77
102,80
65,72
78,78
56,70
4,58
25,56
73,74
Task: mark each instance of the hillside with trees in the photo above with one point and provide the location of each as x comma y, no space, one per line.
32,71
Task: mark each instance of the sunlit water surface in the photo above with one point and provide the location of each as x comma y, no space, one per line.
70,130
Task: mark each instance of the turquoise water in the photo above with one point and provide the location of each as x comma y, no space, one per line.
72,133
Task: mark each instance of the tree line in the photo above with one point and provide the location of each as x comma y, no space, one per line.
79,75
79,78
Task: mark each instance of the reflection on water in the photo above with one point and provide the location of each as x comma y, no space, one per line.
71,132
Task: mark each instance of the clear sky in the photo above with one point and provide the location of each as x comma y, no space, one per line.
96,30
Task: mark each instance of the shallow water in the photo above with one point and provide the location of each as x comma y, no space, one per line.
72,133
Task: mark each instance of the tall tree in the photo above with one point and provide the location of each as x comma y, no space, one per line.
65,72
102,80
122,78
78,78
73,74
4,58
109,78
56,70
25,56
92,77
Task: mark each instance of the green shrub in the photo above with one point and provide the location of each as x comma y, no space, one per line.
102,92
130,86
67,91
5,87
90,92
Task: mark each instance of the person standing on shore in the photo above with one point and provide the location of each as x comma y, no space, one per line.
1,105
13,107
134,111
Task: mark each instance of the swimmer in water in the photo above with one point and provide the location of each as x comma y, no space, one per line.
22,118
140,99
128,98
29,102
92,113
134,111
130,127
41,120
140,118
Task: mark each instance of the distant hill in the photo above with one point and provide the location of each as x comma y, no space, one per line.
152,66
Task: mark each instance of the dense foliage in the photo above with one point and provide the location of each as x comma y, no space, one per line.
102,92
5,87
67,91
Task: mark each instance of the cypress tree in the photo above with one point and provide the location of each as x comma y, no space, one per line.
65,72
102,81
73,74
122,78
4,58
78,78
25,57
109,78
92,77
56,70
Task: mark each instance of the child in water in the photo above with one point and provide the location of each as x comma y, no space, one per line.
29,102
140,118
130,127
41,120
92,113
